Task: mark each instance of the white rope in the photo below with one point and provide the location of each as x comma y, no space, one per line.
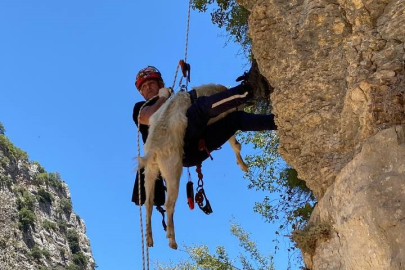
188,27
140,196
186,48
139,154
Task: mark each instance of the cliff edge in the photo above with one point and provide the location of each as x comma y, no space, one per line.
38,227
337,68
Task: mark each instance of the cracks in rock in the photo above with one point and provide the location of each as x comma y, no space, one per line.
400,131
364,6
338,250
345,19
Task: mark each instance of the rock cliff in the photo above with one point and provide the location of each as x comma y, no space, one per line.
337,68
38,228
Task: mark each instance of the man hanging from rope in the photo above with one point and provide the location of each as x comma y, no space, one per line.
149,83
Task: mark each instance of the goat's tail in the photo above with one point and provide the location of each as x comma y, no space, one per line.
143,161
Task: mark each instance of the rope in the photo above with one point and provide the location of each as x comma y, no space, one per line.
138,144
139,194
188,27
140,198
186,47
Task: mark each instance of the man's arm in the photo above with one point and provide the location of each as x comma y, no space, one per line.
148,111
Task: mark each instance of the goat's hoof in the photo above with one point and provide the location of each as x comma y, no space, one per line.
149,241
243,166
173,244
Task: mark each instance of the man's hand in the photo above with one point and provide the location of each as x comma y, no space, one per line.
165,92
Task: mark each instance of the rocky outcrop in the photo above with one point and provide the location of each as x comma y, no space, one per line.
337,68
38,228
365,204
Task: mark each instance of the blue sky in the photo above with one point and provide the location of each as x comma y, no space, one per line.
66,95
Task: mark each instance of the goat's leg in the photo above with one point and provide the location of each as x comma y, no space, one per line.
236,147
151,173
171,169
172,186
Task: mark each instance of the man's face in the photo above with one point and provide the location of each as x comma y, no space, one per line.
149,89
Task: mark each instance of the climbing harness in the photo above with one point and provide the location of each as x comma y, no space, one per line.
162,211
190,191
200,195
185,70
203,147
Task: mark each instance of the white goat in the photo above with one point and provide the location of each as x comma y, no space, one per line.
164,152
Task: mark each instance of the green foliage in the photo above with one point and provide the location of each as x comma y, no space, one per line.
11,150
36,253
44,196
80,260
307,237
250,247
62,252
49,225
54,180
41,178
46,254
27,218
231,16
294,204
201,258
62,225
2,129
291,201
49,179
65,206
24,198
4,162
73,240
73,267
5,182
39,166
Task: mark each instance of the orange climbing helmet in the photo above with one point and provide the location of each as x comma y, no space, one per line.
150,72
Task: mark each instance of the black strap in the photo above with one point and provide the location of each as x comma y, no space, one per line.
162,211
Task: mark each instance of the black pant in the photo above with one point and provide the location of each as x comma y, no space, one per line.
216,134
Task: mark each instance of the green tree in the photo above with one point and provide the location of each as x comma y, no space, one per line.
80,259
65,205
27,218
73,240
73,267
11,151
24,198
2,129
36,253
200,257
231,16
289,202
44,196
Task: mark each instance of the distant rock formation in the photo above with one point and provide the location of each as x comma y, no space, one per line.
38,227
337,68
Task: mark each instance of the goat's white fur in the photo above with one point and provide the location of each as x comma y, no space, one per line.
164,152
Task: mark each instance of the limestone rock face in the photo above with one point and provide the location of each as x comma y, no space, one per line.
38,228
337,68
366,206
